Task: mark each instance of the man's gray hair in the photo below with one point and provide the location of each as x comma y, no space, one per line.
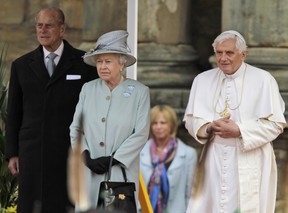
240,41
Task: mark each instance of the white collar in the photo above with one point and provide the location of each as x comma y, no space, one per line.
59,51
235,75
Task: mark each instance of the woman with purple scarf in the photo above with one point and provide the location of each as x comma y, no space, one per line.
167,164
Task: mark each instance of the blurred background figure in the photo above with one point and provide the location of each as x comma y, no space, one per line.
167,164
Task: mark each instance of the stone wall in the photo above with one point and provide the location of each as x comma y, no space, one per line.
174,44
17,23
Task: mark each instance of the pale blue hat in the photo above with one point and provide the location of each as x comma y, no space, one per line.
111,42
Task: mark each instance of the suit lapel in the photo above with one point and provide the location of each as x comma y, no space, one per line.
65,63
38,67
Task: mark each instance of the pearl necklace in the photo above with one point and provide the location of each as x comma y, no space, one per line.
225,112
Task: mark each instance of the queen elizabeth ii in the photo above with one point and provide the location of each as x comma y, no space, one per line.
112,115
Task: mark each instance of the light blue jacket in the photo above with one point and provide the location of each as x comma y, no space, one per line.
180,175
116,120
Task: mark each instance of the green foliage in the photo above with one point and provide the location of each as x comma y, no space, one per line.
8,183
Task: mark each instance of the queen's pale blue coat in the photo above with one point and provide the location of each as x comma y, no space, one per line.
116,120
180,175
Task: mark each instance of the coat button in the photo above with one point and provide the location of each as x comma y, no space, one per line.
107,98
103,119
101,143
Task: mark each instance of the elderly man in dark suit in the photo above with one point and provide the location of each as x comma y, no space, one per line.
40,109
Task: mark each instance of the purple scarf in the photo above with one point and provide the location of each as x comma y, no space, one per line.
158,187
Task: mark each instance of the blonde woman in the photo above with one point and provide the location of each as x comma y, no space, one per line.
167,163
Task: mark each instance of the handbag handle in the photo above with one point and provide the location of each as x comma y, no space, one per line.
110,167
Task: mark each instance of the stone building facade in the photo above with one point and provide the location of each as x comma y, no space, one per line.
174,44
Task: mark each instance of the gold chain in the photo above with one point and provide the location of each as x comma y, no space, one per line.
225,113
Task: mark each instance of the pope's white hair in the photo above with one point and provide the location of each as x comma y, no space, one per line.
240,41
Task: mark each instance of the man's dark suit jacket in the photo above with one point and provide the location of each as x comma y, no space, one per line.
40,111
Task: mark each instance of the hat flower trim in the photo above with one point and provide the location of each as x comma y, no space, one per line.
109,42
90,52
102,47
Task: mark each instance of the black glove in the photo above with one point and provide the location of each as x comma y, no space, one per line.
98,165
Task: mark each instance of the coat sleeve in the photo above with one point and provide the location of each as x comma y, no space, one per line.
193,125
257,133
76,131
14,117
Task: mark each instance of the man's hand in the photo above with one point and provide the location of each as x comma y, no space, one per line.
225,128
13,165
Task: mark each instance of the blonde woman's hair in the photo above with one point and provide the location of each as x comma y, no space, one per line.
170,116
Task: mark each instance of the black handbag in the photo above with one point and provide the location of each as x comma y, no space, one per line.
117,196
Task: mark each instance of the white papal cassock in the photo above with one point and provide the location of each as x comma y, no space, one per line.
240,173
